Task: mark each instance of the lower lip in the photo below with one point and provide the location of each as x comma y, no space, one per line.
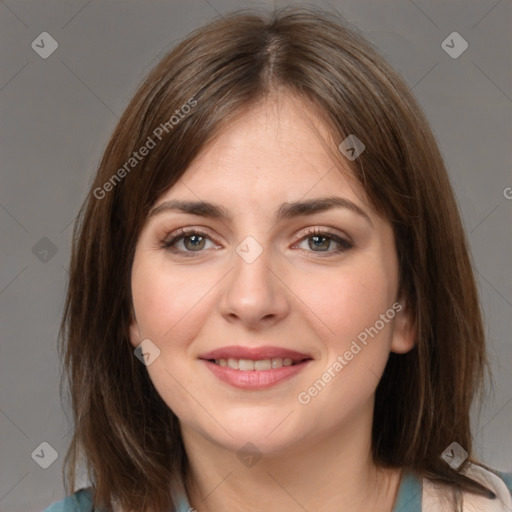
255,379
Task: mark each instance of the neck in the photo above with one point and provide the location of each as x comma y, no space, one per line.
332,472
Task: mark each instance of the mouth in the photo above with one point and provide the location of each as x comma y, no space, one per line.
265,358
258,365
254,368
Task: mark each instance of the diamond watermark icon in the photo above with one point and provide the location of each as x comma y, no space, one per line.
44,250
454,455
352,147
147,352
249,455
44,45
249,249
454,45
45,455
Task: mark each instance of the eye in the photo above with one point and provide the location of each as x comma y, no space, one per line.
191,241
187,241
320,241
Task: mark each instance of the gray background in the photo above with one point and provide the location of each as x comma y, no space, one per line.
57,114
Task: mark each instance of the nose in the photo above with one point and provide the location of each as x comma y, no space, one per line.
253,293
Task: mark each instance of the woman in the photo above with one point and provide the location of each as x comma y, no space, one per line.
271,303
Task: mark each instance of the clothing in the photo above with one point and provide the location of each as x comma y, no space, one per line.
413,495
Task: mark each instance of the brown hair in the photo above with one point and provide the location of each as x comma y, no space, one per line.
128,436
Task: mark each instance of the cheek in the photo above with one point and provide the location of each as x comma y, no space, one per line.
347,302
171,308
167,302
356,340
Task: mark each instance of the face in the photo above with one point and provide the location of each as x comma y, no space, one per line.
299,302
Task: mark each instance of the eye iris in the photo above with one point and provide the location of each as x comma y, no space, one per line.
197,244
324,244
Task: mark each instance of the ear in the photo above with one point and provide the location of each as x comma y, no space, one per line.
135,338
404,328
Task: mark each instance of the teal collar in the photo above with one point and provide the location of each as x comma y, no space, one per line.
409,494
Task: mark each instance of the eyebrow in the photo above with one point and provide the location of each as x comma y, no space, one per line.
286,210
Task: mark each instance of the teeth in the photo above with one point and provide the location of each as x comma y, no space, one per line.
233,363
249,364
277,362
245,364
264,364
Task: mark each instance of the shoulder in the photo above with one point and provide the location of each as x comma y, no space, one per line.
435,496
498,481
80,501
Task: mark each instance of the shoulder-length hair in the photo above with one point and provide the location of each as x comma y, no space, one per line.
129,438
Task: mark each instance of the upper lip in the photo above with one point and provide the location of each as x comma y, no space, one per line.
254,353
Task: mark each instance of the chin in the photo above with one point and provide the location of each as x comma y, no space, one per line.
268,432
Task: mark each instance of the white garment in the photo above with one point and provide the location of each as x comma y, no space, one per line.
436,497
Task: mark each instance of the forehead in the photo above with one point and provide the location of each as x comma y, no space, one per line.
279,149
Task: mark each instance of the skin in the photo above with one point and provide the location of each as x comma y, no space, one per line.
292,296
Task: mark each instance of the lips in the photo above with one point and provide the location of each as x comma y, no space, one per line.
254,353
254,368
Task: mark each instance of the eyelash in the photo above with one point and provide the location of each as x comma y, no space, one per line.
344,245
